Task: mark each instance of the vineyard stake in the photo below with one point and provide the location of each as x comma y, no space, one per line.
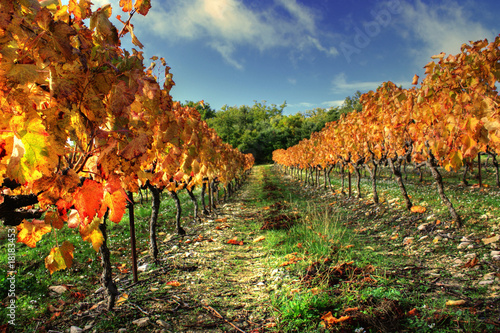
132,234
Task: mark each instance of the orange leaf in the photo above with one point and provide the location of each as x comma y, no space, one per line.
122,299
31,232
54,220
117,203
471,263
173,283
88,198
126,5
415,79
418,209
329,319
413,312
234,241
142,6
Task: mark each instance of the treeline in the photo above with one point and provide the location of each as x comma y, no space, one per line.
260,129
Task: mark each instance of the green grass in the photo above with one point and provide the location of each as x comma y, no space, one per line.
33,298
325,232
330,229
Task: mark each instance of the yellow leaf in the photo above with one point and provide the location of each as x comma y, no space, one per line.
258,239
91,233
455,303
122,299
60,257
31,232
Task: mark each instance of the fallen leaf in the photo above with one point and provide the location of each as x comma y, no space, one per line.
235,241
58,289
418,209
122,299
329,319
259,239
455,303
471,263
173,283
413,312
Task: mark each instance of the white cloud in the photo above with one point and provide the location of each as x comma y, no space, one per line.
225,25
440,27
340,85
332,104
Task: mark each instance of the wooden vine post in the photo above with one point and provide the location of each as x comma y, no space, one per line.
133,249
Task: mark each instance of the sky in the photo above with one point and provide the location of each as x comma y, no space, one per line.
309,54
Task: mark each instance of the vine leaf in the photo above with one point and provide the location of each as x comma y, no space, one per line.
91,233
117,203
60,257
31,232
88,198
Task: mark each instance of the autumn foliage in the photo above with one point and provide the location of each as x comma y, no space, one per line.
83,121
447,121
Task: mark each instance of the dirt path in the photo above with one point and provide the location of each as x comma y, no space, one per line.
210,285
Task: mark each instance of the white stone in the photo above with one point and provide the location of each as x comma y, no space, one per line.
486,283
143,268
422,226
142,322
163,323
75,329
463,245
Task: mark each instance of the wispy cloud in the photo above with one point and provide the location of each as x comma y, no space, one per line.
341,85
332,104
440,27
226,25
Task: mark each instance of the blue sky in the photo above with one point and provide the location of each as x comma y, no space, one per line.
308,53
